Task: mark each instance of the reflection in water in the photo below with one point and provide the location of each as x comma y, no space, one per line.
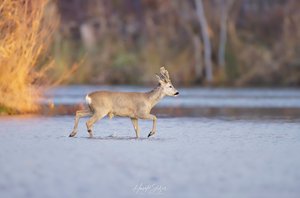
126,138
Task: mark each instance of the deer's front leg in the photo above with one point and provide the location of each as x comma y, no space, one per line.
153,118
136,126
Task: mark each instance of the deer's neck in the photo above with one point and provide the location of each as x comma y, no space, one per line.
155,95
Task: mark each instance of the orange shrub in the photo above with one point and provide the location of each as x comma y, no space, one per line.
24,35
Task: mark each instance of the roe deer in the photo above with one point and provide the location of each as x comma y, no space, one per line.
126,104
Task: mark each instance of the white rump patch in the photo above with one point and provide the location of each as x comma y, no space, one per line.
88,99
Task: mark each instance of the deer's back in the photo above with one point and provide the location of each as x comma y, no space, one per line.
118,103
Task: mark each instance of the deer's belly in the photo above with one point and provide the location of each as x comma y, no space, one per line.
123,112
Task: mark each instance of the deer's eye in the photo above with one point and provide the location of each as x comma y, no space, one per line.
170,86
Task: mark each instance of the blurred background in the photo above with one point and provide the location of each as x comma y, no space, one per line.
214,43
219,42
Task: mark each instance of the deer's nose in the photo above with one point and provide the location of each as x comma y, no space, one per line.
177,93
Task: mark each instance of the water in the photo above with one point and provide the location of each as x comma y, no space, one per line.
211,150
187,157
192,97
196,102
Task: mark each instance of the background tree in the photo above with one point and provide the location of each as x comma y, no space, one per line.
206,40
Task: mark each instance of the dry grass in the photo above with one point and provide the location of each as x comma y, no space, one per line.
25,34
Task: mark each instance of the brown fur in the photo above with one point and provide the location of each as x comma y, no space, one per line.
126,104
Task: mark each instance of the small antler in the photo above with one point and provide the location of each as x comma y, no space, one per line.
164,74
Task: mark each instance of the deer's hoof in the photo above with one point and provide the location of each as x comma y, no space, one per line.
72,134
151,133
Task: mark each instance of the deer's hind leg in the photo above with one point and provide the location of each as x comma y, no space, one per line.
96,116
79,114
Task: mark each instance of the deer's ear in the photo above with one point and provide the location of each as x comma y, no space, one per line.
158,79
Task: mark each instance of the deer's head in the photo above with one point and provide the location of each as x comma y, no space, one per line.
165,83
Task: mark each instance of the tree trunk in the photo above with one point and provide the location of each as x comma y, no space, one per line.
223,34
206,40
88,36
231,27
198,57
225,6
